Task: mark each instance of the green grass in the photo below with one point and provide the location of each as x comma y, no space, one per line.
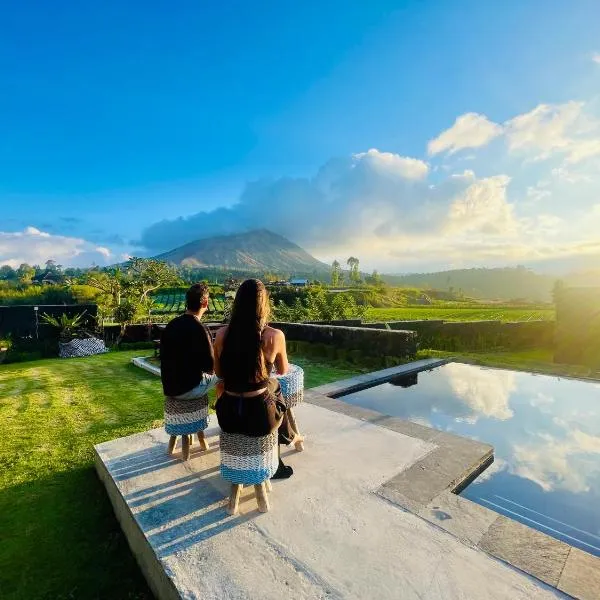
459,314
58,535
535,361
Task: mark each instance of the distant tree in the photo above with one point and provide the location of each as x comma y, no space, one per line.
336,271
353,264
374,278
25,273
7,273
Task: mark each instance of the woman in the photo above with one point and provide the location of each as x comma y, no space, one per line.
246,351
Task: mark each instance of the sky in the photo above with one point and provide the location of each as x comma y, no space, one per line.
415,135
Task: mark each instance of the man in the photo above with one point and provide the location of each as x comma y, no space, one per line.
187,371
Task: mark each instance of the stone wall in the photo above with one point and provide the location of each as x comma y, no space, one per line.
359,340
577,338
477,335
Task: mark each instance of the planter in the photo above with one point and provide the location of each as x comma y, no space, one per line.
84,347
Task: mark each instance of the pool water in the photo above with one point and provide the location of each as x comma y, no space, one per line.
545,432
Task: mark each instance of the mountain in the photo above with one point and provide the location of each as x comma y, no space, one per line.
254,251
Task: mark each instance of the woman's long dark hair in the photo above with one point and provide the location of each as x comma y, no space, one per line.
242,358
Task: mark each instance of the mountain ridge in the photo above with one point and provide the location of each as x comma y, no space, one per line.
259,250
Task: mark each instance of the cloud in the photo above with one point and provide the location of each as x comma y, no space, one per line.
486,392
596,57
549,129
567,463
34,246
400,212
470,130
400,166
372,197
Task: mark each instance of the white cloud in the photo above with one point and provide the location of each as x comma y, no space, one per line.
550,129
486,392
402,166
596,57
470,130
559,463
483,207
33,246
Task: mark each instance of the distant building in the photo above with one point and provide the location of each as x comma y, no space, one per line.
299,282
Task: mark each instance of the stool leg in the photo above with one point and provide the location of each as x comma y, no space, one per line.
261,497
292,419
234,498
172,444
203,443
185,446
269,485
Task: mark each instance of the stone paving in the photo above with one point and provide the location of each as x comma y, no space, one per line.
331,532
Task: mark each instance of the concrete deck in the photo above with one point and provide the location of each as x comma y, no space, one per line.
335,529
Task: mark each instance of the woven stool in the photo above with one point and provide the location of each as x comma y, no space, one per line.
292,389
186,418
248,460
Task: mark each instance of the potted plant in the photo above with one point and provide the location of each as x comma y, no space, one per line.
74,340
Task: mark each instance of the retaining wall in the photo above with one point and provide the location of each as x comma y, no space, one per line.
476,335
364,341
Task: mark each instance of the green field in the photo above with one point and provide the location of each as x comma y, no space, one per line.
59,538
174,302
469,313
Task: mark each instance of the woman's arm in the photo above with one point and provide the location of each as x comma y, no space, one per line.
218,347
282,364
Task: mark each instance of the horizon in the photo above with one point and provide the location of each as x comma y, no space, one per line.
419,137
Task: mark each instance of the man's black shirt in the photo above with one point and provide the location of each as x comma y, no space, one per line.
186,353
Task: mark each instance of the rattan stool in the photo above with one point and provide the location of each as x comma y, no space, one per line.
186,418
292,390
248,460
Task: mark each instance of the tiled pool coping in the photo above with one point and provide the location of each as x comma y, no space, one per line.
428,489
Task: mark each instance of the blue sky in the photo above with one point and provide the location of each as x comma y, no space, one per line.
115,121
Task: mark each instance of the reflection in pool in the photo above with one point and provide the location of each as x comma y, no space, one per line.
545,432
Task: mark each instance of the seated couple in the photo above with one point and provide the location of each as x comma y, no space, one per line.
240,364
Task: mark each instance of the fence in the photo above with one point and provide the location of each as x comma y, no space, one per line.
26,322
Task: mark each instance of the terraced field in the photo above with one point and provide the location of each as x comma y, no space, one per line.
174,302
460,314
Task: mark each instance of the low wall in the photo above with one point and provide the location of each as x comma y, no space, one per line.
19,321
476,335
577,338
358,341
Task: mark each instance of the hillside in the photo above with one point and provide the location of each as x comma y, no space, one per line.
489,284
255,251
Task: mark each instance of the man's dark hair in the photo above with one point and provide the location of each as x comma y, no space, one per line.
195,296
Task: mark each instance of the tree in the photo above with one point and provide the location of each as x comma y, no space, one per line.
25,273
7,273
374,279
125,293
336,271
353,263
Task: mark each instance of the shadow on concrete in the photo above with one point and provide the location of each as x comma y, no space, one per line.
146,461
185,511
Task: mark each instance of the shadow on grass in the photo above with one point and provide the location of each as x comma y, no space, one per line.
60,539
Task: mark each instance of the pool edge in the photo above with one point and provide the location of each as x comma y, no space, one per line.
429,490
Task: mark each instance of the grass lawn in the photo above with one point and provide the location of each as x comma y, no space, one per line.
535,361
58,535
459,314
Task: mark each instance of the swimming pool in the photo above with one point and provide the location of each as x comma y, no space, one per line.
545,432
